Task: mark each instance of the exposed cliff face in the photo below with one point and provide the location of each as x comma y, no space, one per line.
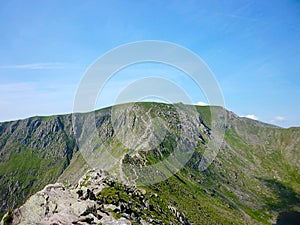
254,176
123,139
34,152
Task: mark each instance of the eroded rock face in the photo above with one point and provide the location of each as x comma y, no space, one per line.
96,199
30,151
249,173
36,151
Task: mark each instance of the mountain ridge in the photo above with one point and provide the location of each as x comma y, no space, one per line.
253,153
108,107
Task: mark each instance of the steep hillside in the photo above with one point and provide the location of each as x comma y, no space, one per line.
254,176
34,152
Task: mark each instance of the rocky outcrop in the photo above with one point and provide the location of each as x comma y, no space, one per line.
253,177
97,199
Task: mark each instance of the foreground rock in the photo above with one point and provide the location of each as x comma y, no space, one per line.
96,199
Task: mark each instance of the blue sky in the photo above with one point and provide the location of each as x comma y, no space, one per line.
252,47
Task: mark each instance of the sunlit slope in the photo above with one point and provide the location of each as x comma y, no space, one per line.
254,176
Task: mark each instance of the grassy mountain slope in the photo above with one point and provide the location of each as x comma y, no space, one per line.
254,176
34,152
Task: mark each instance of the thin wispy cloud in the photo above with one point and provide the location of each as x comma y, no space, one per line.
278,119
25,99
39,66
242,43
236,16
16,87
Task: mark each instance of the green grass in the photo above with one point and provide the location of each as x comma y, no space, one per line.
117,194
255,175
28,174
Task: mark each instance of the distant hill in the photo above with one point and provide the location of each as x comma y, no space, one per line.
254,177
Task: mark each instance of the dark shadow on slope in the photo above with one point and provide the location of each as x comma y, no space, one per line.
288,218
286,199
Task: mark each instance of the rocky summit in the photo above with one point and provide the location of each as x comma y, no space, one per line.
148,163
